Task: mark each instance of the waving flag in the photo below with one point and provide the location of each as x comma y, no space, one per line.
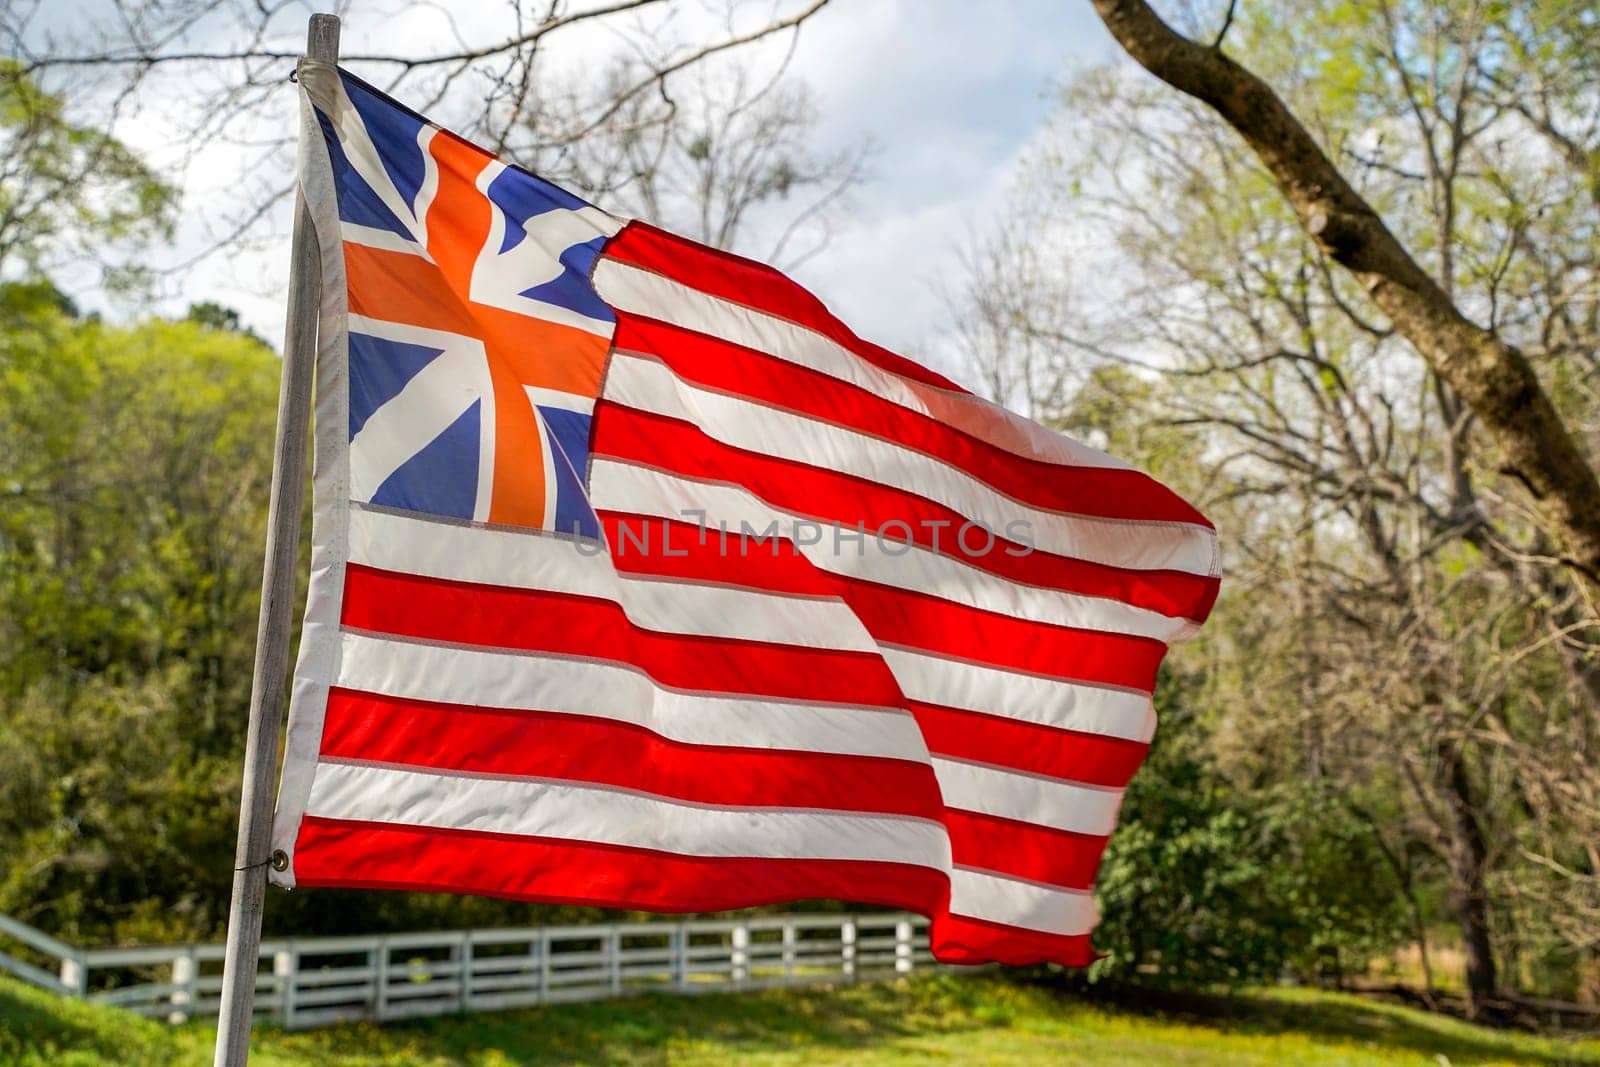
640,581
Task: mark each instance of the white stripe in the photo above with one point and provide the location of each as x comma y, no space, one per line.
721,611
607,816
373,237
1024,904
555,564
1026,697
1080,809
317,663
646,293
617,485
649,385
563,686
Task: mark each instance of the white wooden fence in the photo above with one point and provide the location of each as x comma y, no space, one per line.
308,982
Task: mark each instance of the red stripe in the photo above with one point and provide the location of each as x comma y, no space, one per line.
755,285
1092,759
926,623
680,549
436,610
367,726
961,939
1024,850
1117,493
830,497
333,852
892,615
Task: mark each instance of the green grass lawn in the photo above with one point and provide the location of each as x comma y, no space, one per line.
959,1020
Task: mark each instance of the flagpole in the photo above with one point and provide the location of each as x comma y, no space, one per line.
253,852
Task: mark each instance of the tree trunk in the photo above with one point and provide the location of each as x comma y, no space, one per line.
1494,378
1468,856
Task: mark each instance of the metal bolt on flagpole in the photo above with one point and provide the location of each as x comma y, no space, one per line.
277,616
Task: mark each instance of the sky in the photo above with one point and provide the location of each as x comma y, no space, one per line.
950,92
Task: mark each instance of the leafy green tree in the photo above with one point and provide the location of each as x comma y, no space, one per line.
1218,881
71,192
135,461
215,316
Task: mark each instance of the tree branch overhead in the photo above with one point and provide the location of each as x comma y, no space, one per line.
1493,377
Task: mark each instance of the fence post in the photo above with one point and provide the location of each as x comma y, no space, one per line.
544,966
613,943
372,979
184,972
789,937
740,957
847,947
679,941
461,952
285,962
380,979
75,975
902,947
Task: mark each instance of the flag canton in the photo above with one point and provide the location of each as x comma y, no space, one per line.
476,343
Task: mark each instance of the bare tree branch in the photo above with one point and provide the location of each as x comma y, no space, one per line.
1493,376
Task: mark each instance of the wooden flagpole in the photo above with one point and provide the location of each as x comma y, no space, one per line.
253,852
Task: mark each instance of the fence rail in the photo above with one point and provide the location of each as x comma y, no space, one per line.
309,982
